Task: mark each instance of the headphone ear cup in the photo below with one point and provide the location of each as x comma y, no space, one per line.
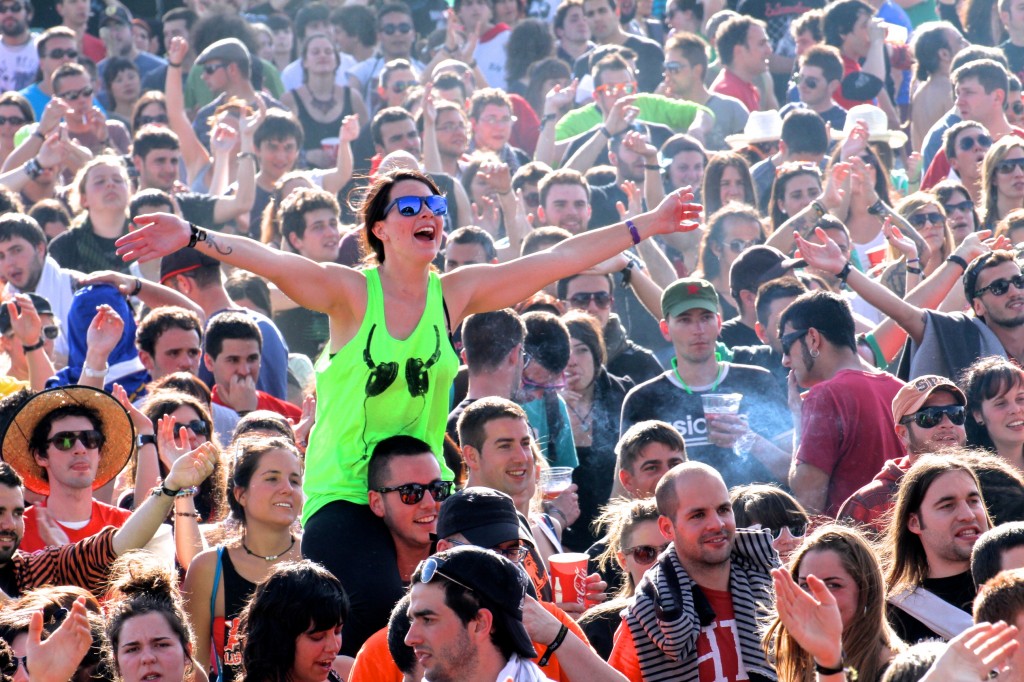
416,377
381,377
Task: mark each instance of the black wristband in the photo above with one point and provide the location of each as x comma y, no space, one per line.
138,286
652,166
604,131
164,490
914,271
958,260
198,235
146,439
877,208
822,670
559,638
845,272
34,346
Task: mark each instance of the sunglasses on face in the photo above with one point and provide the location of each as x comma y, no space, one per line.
797,529
809,81
65,440
920,219
401,86
964,206
411,206
412,493
1001,286
644,554
13,120
1007,166
601,299
966,144
392,29
58,53
513,554
159,118
77,94
673,67
616,89
13,8
786,341
196,426
1018,108
51,331
210,69
741,245
930,417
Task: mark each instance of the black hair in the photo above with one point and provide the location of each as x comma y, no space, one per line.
825,311
987,555
159,320
398,627
20,225
547,340
379,468
804,132
488,338
840,18
773,290
229,325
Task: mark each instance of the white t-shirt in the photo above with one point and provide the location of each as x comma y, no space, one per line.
18,65
491,54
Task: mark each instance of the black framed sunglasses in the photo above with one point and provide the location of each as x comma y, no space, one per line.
602,299
966,143
1000,286
76,94
673,67
809,81
65,440
1007,166
741,245
412,493
787,340
920,219
51,331
159,118
196,426
514,554
412,205
401,86
13,120
392,29
644,554
210,69
930,417
58,53
964,206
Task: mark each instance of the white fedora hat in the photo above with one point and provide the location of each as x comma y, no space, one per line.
761,126
877,123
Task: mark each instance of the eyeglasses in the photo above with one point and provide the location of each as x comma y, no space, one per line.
1001,286
65,440
401,86
964,206
499,121
196,426
77,94
966,143
513,554
159,118
930,417
644,554
411,206
809,81
58,53
786,341
1018,108
602,299
412,493
51,331
920,219
556,386
431,567
673,67
1007,166
453,127
741,245
616,89
21,661
13,120
210,69
392,29
13,8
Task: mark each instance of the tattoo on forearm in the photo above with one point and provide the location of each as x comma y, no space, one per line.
217,246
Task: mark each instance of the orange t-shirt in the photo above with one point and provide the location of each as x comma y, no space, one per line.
374,662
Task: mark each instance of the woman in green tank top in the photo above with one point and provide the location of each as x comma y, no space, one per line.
389,364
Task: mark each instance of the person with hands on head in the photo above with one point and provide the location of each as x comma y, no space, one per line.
944,344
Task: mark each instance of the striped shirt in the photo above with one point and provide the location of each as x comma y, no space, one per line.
85,563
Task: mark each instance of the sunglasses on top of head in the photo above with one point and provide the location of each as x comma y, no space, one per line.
412,205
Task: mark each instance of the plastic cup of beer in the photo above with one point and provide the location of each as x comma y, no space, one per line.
555,481
569,574
330,145
721,403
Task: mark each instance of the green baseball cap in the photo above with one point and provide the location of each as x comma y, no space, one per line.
688,293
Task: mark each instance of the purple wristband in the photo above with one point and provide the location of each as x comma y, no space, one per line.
633,232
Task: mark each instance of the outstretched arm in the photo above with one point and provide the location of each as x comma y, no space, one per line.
480,288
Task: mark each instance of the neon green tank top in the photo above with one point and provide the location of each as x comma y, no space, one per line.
377,386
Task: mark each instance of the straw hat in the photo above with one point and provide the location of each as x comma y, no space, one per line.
761,126
877,123
116,426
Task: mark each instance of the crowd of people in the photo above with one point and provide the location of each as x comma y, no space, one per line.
331,332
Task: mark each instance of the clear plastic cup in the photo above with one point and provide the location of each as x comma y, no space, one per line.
555,481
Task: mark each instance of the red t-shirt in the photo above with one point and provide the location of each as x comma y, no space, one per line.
728,83
847,430
265,401
103,515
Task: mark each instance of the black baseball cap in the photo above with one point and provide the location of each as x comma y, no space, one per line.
182,261
43,307
486,517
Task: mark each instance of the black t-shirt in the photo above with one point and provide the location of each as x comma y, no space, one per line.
1014,57
735,332
958,590
82,249
306,331
763,356
665,398
197,208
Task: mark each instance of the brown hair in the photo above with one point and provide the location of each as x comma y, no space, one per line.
377,199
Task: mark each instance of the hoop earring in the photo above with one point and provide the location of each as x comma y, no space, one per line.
814,352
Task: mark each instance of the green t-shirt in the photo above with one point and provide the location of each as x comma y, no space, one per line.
357,406
675,113
197,95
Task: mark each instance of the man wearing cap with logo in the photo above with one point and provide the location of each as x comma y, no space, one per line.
58,439
79,440
226,68
466,618
116,32
692,324
929,414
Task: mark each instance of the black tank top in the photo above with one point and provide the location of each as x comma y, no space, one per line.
314,130
237,591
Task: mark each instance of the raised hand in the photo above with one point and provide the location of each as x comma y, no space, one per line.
142,423
904,244
977,653
976,244
105,331
825,255
305,423
622,115
57,659
192,468
52,152
487,214
349,129
49,530
169,447
635,141
559,98
177,50
634,197
159,234
25,321
676,213
812,619
498,176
